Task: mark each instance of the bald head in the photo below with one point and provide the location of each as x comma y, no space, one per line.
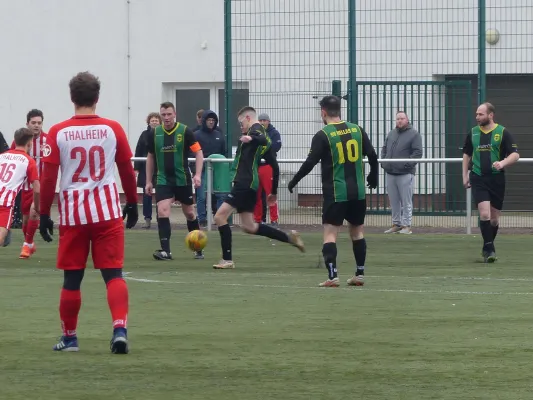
485,114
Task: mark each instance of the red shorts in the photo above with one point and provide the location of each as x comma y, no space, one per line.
6,217
26,200
105,240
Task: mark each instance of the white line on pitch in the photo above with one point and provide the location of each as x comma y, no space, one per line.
143,280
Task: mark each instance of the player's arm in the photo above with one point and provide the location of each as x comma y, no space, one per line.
370,153
194,146
259,137
318,145
125,168
270,159
33,178
468,151
509,150
150,158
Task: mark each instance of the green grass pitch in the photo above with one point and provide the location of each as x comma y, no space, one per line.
432,322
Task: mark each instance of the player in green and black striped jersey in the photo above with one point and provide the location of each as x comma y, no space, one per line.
489,148
168,147
340,147
253,145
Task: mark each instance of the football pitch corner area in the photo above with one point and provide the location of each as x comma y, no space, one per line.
430,322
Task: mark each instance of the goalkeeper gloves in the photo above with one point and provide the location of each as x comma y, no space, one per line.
130,212
46,228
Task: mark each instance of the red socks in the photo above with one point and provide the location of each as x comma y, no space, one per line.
30,230
117,298
69,308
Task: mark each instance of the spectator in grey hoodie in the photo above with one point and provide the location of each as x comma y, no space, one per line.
402,142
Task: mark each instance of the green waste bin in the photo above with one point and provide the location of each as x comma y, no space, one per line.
221,178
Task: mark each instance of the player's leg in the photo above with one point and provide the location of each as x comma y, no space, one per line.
108,256
250,226
497,195
221,220
355,216
201,201
395,203
184,196
72,256
332,219
267,186
6,216
405,185
258,208
164,198
28,223
481,195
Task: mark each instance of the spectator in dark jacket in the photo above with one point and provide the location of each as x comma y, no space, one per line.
212,141
265,176
153,120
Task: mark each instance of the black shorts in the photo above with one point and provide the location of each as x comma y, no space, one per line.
488,188
183,194
242,199
353,211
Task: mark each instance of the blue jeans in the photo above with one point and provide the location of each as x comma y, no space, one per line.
147,206
201,193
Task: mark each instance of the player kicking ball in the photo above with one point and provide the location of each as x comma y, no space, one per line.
86,148
253,145
340,147
16,168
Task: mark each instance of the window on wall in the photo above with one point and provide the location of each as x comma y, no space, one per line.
190,97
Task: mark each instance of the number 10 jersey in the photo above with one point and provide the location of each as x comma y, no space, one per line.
86,147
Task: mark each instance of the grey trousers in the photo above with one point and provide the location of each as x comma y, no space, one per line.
400,190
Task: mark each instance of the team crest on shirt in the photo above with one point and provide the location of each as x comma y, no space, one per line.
46,150
497,137
179,137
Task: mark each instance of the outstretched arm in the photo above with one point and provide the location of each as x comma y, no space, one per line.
270,159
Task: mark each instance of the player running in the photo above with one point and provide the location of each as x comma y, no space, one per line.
168,146
16,168
340,147
30,218
86,147
253,145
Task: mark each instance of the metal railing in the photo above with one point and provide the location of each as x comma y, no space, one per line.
313,189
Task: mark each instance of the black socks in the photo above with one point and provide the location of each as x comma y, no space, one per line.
225,241
329,251
359,252
163,225
272,233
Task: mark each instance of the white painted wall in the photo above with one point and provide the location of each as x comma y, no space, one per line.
133,46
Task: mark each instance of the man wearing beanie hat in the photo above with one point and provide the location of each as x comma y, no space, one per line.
265,175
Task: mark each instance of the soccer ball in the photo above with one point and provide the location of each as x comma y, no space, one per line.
196,240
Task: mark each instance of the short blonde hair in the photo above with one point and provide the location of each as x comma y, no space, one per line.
153,115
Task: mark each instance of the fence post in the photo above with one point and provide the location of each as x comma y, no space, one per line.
228,76
468,211
209,193
353,100
482,52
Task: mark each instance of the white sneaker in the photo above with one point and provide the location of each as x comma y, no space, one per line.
394,229
406,230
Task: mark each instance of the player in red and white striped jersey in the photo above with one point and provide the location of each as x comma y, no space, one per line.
30,219
17,168
86,147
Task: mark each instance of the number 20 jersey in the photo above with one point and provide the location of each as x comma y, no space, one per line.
86,148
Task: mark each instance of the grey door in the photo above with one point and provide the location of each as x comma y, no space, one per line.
188,102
